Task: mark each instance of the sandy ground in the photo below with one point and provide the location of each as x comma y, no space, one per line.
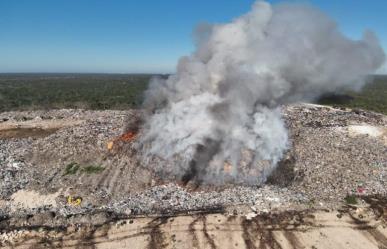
368,130
356,229
34,128
30,199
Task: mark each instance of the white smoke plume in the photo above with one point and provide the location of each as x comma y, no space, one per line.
223,104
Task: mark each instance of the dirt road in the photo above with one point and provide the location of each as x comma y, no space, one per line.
352,228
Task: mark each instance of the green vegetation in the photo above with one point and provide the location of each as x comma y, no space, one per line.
92,169
373,97
86,91
123,91
351,199
73,168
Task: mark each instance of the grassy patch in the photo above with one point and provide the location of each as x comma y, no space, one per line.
71,169
351,199
74,168
92,169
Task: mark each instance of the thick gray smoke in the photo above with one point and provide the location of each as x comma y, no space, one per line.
218,118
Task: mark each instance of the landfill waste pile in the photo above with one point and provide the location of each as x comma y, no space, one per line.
64,167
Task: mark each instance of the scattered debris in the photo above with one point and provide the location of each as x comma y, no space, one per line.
324,164
74,201
251,215
361,190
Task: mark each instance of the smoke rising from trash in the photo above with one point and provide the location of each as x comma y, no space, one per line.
219,118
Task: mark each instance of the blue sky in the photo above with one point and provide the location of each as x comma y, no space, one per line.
123,36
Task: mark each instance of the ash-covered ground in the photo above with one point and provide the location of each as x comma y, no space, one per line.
61,161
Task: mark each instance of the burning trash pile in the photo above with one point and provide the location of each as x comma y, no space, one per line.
128,136
219,119
325,163
225,122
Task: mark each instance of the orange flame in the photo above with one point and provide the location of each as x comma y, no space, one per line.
126,137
